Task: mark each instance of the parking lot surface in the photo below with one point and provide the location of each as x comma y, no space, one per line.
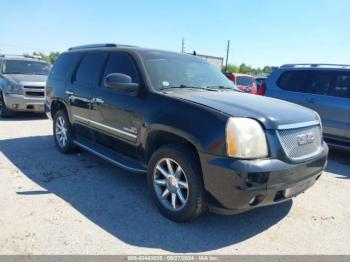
52,203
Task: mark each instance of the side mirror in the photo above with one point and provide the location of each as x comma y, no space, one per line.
121,82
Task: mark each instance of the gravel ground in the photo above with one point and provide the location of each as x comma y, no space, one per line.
52,203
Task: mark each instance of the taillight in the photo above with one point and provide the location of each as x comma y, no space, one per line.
261,90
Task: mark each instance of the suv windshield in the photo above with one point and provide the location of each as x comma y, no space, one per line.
168,70
244,81
25,67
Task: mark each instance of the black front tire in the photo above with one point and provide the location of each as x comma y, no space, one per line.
61,120
187,158
4,111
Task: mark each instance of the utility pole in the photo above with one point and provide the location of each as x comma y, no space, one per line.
227,53
183,45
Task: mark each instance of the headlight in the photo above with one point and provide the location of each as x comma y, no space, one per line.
245,138
14,89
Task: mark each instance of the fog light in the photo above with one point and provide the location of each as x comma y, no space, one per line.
256,200
14,105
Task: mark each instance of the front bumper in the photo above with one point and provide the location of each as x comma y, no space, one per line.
235,186
22,103
47,110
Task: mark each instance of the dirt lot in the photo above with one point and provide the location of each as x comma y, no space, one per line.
77,204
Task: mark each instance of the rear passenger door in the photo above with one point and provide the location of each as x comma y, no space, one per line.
80,88
117,117
330,98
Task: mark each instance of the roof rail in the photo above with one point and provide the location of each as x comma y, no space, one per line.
316,65
34,56
26,56
92,46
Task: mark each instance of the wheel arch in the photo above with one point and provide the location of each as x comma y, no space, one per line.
58,104
160,135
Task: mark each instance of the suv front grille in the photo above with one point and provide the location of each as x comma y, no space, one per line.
301,143
37,91
34,87
39,94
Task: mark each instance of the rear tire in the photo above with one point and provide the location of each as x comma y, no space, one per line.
4,111
177,188
63,133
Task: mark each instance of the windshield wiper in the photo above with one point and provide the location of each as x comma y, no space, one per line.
186,86
226,88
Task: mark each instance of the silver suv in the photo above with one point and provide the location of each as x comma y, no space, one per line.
324,88
22,83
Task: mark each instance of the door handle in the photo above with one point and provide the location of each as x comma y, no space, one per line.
96,100
69,92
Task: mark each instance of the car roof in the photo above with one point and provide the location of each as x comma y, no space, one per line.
128,48
318,66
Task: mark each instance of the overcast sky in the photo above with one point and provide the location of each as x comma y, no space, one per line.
269,32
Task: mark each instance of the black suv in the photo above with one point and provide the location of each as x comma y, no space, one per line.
173,116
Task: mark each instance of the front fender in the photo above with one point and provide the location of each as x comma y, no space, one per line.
172,130
200,125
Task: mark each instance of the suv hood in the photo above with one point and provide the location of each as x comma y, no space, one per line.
27,79
270,112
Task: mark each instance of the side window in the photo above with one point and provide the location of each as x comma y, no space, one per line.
90,68
321,82
341,87
121,63
64,65
295,81
330,83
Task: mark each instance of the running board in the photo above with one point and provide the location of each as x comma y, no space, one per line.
111,156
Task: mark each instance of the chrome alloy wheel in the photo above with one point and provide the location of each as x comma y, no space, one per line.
61,131
171,184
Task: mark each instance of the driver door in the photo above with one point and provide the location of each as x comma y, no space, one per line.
116,116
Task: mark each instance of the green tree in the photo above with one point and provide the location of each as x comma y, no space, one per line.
232,68
245,69
267,70
51,58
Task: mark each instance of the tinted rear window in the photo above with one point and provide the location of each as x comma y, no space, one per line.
330,83
320,82
64,65
90,68
342,85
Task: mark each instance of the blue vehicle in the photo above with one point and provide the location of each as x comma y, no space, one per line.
324,88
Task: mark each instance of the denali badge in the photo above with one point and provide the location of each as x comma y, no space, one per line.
305,139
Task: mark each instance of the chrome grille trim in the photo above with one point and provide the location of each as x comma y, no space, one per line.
296,152
34,87
299,125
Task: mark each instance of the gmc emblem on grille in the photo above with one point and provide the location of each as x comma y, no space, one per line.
305,139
